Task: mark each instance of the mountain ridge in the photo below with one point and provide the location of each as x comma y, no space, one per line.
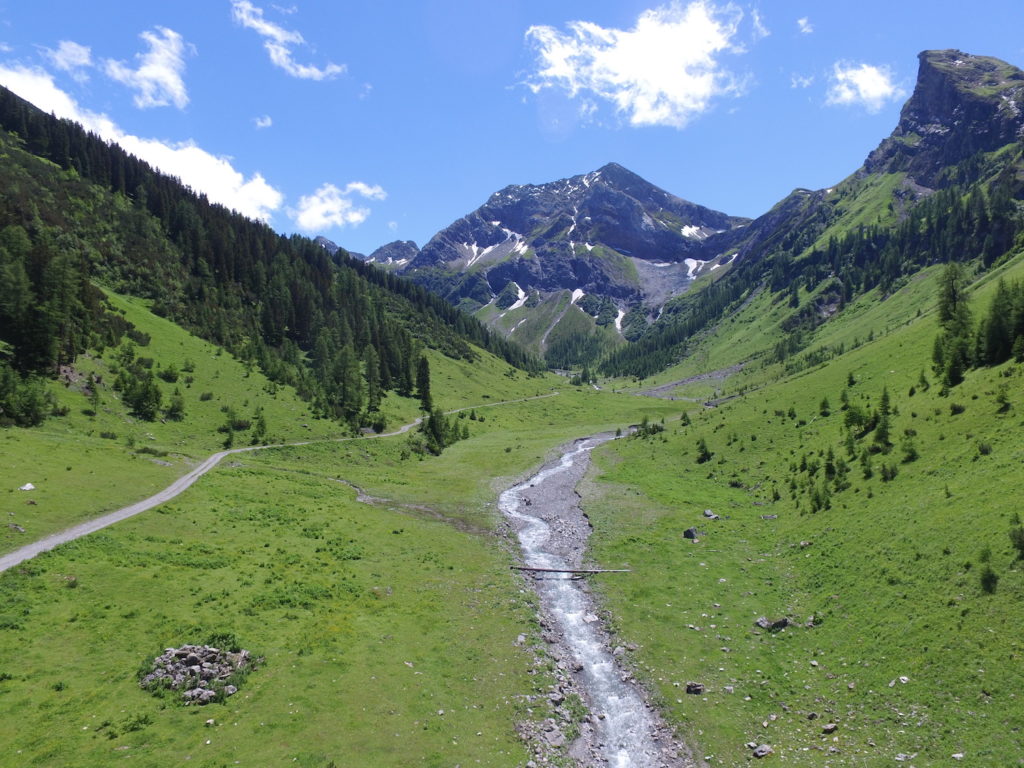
583,232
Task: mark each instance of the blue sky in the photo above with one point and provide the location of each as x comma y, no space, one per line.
375,121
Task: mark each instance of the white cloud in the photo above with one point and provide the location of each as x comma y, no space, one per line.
204,172
393,226
5,48
760,30
71,57
332,207
805,26
157,81
862,84
279,42
800,81
663,71
263,121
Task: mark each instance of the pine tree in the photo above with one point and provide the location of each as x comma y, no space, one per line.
423,383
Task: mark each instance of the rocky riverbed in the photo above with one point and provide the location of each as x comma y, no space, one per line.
622,729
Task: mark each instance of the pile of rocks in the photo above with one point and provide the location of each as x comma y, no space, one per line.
200,672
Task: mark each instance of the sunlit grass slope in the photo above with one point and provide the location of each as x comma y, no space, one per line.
901,636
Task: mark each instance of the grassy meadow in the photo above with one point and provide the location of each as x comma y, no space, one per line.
900,634
389,628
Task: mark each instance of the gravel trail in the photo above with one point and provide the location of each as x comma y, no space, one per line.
47,543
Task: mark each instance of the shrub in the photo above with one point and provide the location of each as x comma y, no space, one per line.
168,374
139,337
1017,539
703,453
989,580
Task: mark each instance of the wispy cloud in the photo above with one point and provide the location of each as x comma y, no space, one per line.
805,26
158,80
71,57
279,43
800,81
862,85
760,30
211,174
666,70
263,121
331,207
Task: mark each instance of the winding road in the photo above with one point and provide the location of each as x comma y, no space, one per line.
47,543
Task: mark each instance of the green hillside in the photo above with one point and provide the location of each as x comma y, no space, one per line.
894,564
835,416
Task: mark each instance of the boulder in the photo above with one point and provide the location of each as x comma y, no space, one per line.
772,626
762,750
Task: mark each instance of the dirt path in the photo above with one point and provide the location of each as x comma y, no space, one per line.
184,482
663,390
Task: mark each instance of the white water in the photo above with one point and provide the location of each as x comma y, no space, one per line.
628,728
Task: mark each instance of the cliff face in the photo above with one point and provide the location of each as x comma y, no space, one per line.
962,104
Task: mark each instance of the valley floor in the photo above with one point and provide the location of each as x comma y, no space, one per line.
841,600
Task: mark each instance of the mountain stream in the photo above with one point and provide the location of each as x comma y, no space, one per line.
552,530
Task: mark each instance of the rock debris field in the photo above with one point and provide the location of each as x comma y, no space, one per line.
201,672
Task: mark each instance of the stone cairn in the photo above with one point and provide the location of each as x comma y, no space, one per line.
200,672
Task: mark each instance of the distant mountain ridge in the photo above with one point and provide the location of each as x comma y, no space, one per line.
607,232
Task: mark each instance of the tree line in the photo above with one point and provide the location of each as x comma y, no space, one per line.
340,331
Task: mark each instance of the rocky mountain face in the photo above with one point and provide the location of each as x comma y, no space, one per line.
608,232
962,105
397,254
947,184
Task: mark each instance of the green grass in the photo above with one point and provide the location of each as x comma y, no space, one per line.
891,573
371,623
273,547
338,595
84,464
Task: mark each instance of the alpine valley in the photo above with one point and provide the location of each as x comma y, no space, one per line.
806,546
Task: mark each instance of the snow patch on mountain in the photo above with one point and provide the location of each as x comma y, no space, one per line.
577,294
725,263
693,265
518,303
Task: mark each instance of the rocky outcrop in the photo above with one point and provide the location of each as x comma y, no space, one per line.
962,104
395,254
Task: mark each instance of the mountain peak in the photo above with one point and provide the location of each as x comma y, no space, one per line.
962,104
608,232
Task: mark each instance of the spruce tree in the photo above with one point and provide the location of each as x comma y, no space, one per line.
423,383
